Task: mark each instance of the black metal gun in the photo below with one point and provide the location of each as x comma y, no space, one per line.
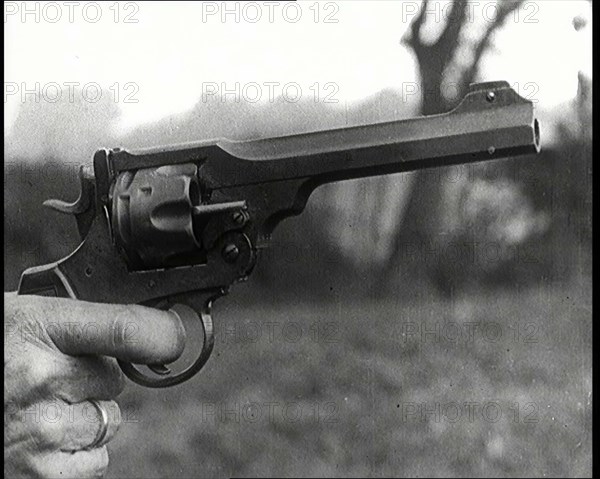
176,227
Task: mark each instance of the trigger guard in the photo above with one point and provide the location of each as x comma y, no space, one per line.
138,377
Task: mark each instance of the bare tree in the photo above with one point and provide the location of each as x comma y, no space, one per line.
436,62
434,59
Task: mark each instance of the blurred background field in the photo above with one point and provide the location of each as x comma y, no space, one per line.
339,405
340,356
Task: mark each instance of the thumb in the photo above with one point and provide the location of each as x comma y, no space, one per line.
131,333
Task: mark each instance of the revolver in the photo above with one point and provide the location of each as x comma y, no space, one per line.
175,227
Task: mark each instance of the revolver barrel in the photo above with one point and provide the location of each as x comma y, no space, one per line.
491,122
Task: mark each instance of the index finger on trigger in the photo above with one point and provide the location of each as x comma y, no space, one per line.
128,332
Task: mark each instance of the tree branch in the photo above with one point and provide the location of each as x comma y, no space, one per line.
413,40
505,9
448,40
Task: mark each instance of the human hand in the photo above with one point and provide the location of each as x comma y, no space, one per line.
61,378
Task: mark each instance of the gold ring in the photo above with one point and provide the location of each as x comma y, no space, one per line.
101,434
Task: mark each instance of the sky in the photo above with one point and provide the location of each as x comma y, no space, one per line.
165,57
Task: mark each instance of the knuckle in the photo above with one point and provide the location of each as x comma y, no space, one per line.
35,373
23,319
124,327
117,332
39,372
29,319
51,431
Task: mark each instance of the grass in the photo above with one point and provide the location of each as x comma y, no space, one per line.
374,389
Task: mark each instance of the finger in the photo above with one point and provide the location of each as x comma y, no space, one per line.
58,425
71,427
72,379
66,465
129,332
87,377
82,423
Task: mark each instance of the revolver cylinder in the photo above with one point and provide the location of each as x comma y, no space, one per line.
152,215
